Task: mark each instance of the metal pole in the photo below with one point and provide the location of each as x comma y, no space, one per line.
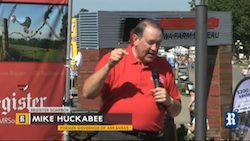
68,59
201,72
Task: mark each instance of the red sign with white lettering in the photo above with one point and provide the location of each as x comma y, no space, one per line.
37,1
186,23
25,85
33,72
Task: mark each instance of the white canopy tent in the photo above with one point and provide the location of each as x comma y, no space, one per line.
179,50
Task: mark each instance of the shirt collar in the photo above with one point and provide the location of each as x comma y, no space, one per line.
132,58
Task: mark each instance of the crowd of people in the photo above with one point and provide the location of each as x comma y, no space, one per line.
184,60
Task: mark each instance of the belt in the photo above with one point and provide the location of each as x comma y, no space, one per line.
145,134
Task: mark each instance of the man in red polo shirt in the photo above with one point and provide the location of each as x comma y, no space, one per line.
123,79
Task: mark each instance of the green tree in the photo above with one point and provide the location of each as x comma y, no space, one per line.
240,10
82,10
63,30
192,5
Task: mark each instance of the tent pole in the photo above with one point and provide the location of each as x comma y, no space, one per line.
68,60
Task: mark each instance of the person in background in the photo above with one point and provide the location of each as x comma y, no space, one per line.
191,63
123,79
191,105
193,125
245,72
192,129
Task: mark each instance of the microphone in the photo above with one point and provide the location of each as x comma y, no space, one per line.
156,78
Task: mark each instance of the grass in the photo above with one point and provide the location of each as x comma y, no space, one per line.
30,53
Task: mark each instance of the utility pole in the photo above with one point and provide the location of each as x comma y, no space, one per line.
201,71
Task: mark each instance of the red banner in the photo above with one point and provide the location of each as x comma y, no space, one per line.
25,85
186,23
37,1
32,64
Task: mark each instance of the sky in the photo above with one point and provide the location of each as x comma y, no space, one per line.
37,29
25,10
130,5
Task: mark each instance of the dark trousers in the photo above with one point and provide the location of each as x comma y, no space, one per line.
120,136
191,116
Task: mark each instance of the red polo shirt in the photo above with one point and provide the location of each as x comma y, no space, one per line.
127,90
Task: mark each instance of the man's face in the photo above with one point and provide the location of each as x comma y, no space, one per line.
147,46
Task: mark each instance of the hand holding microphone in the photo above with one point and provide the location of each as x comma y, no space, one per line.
160,94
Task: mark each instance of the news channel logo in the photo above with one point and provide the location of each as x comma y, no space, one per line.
22,118
231,119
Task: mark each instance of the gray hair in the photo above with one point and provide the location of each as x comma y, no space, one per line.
139,29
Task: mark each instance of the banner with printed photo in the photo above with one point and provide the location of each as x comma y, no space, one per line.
241,105
241,101
73,48
32,61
